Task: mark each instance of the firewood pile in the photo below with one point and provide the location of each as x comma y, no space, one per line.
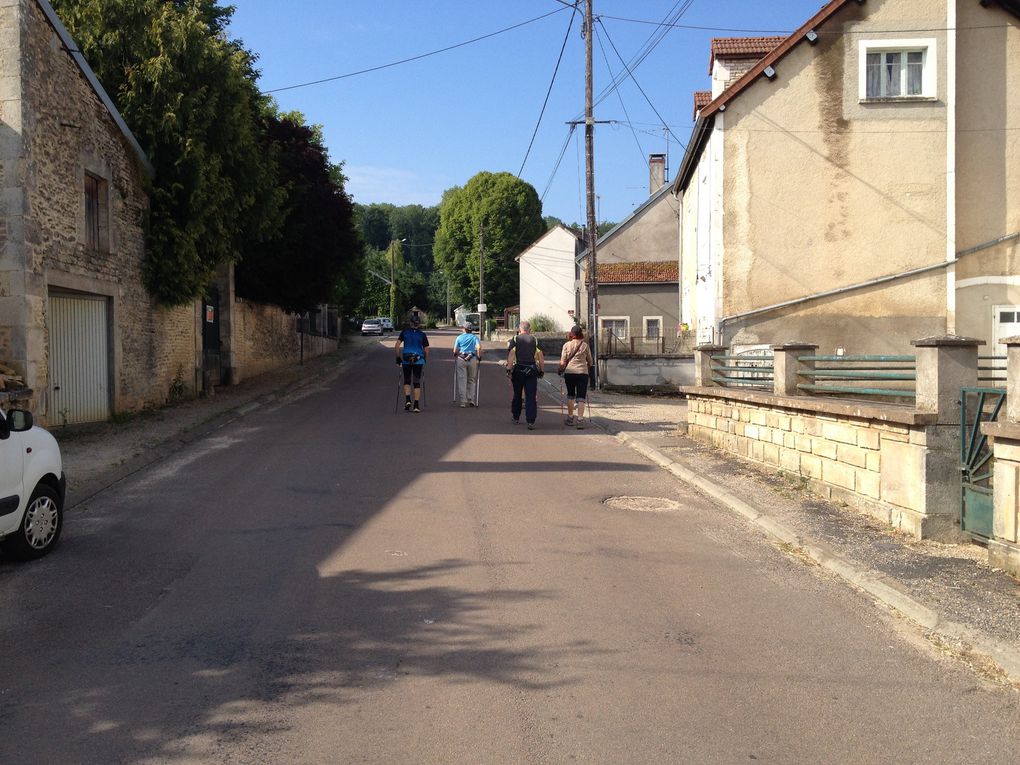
10,379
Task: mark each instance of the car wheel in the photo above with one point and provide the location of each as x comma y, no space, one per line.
40,527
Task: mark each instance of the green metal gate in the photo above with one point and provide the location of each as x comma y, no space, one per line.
977,405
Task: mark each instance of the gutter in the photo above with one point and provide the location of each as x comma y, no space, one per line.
870,282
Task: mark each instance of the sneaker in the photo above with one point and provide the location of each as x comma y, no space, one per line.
568,421
407,406
580,423
417,408
531,426
516,421
463,406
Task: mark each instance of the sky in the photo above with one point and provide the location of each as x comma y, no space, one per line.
406,133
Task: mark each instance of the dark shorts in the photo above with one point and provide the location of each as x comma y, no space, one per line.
577,385
412,370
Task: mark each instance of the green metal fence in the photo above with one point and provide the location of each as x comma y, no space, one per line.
751,369
977,461
857,375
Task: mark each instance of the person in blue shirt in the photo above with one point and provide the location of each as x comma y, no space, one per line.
467,351
412,351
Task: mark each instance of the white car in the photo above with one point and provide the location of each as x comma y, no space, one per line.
32,487
387,323
371,327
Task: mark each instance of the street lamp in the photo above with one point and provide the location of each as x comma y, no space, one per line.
393,278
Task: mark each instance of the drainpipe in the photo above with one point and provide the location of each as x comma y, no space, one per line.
951,21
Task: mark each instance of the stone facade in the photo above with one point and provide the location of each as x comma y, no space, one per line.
881,459
58,128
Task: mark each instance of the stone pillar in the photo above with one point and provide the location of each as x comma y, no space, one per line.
944,365
787,365
1012,378
703,363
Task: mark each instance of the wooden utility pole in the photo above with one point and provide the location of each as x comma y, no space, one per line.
589,177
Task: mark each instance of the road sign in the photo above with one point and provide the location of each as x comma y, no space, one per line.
482,308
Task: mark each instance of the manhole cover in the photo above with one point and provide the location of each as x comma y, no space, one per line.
643,504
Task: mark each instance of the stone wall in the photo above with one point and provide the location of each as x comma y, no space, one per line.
266,338
884,459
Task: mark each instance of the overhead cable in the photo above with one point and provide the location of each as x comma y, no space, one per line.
545,103
418,57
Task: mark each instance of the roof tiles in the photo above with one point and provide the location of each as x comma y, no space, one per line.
644,272
741,47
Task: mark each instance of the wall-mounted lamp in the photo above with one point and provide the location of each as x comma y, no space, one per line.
811,37
769,72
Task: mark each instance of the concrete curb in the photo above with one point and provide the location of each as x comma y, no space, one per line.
882,588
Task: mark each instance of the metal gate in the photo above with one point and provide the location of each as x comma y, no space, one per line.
79,358
211,364
977,464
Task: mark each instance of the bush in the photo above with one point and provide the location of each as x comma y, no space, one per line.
542,323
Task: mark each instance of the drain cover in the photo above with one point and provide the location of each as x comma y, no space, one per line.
643,504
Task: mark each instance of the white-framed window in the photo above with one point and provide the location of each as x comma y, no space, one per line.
652,327
619,326
893,70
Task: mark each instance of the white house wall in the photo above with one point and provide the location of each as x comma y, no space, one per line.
547,278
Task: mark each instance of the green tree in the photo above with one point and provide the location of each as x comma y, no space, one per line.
374,224
496,213
188,94
316,257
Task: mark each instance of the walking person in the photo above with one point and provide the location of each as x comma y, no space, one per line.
525,364
412,350
575,360
467,352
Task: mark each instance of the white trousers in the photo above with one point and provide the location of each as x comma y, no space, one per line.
467,380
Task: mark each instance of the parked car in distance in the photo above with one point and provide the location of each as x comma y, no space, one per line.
387,323
371,327
32,487
472,320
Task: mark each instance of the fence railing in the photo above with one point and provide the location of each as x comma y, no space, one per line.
754,369
992,369
857,375
611,344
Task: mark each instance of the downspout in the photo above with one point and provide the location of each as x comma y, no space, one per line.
951,256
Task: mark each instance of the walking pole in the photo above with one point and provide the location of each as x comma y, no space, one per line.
400,389
455,379
478,382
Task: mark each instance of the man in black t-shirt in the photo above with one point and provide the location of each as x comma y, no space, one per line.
525,364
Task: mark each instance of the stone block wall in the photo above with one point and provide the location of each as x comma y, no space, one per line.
266,338
871,462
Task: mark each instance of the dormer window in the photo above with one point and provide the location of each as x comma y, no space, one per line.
893,70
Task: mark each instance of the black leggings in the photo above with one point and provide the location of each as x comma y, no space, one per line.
412,369
577,385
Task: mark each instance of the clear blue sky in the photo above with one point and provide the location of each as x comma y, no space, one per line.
407,133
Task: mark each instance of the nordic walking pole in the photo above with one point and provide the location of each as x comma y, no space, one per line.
478,382
400,389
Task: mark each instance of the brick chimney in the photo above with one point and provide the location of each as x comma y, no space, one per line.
656,172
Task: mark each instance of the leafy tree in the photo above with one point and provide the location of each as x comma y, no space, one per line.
496,211
315,258
188,94
374,224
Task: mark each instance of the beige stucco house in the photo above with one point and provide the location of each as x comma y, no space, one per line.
858,186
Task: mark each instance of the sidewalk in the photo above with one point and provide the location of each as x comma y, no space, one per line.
961,605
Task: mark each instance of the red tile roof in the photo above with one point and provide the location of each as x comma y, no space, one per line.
645,272
701,100
741,47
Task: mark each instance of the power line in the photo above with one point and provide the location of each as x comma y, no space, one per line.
415,58
623,106
787,32
638,85
545,103
559,159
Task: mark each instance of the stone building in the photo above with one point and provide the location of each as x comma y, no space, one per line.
75,319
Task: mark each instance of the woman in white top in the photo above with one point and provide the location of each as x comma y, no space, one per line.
575,360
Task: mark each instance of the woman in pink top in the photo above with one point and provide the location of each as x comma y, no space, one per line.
575,359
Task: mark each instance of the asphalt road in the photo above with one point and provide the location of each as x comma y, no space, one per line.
327,581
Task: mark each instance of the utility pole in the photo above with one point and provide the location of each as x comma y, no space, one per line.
393,282
589,177
481,280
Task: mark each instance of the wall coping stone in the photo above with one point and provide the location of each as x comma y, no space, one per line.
794,347
940,341
1014,340
1004,430
896,413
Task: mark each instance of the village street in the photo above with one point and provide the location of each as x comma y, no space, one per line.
326,580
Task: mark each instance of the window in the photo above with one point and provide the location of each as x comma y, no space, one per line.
653,327
617,325
897,69
97,228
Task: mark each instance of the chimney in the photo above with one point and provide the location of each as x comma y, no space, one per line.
656,172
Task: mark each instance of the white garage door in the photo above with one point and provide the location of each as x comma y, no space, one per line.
79,359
